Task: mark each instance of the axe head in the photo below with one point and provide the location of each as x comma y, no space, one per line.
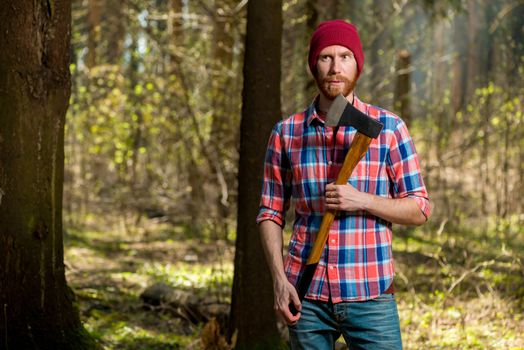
342,113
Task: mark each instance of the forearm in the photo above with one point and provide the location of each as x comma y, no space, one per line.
284,292
271,237
403,211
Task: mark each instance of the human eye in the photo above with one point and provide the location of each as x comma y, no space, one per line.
324,58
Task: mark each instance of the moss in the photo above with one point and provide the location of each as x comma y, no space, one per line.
80,339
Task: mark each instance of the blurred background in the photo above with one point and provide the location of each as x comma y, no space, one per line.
152,144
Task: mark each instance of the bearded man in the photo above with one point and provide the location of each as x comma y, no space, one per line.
351,293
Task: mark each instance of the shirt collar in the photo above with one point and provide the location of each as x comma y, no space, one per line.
312,114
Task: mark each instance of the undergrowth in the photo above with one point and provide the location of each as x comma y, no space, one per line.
455,288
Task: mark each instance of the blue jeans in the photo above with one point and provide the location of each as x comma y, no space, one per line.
365,325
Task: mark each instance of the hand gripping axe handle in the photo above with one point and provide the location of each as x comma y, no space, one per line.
341,113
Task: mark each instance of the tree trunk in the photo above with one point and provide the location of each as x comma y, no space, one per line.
440,113
224,123
375,54
136,120
94,8
252,300
474,50
176,23
403,86
516,204
37,306
312,22
459,82
116,31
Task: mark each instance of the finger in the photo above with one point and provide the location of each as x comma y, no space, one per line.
295,300
293,320
290,318
332,207
331,194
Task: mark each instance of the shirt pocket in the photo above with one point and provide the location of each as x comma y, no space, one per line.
368,174
310,179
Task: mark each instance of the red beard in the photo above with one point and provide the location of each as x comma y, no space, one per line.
330,91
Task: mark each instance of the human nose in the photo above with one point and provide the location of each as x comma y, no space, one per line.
335,65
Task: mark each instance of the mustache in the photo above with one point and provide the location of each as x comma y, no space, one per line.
335,78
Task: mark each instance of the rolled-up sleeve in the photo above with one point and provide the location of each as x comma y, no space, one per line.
276,186
404,169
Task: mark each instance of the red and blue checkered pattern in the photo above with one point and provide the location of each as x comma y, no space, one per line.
302,158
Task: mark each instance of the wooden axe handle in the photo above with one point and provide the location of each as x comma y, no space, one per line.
359,147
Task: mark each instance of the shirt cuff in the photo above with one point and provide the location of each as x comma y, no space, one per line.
423,204
276,216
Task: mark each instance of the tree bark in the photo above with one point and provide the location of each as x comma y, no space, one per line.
403,86
94,17
36,305
459,67
375,54
224,127
252,312
311,24
116,30
474,50
176,23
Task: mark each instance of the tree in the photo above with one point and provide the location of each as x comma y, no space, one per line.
94,32
403,86
252,300
224,130
37,306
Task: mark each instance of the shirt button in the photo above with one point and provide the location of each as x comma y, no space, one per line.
331,267
330,163
333,241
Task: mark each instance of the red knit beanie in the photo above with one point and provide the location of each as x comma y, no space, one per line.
336,32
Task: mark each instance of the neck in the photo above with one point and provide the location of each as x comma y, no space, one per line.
324,103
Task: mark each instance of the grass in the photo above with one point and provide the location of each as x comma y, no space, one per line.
456,289
109,270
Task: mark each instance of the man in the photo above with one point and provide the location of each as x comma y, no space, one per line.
351,291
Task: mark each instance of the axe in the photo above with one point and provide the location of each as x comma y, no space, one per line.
341,113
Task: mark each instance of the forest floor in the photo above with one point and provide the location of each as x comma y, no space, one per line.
455,289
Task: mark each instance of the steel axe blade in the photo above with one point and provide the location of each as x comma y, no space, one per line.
342,113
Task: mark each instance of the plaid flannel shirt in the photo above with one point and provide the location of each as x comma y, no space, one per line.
302,158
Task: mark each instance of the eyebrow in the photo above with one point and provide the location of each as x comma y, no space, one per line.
347,52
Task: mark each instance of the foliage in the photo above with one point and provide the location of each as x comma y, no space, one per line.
148,126
153,132
455,288
109,270
460,289
153,127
